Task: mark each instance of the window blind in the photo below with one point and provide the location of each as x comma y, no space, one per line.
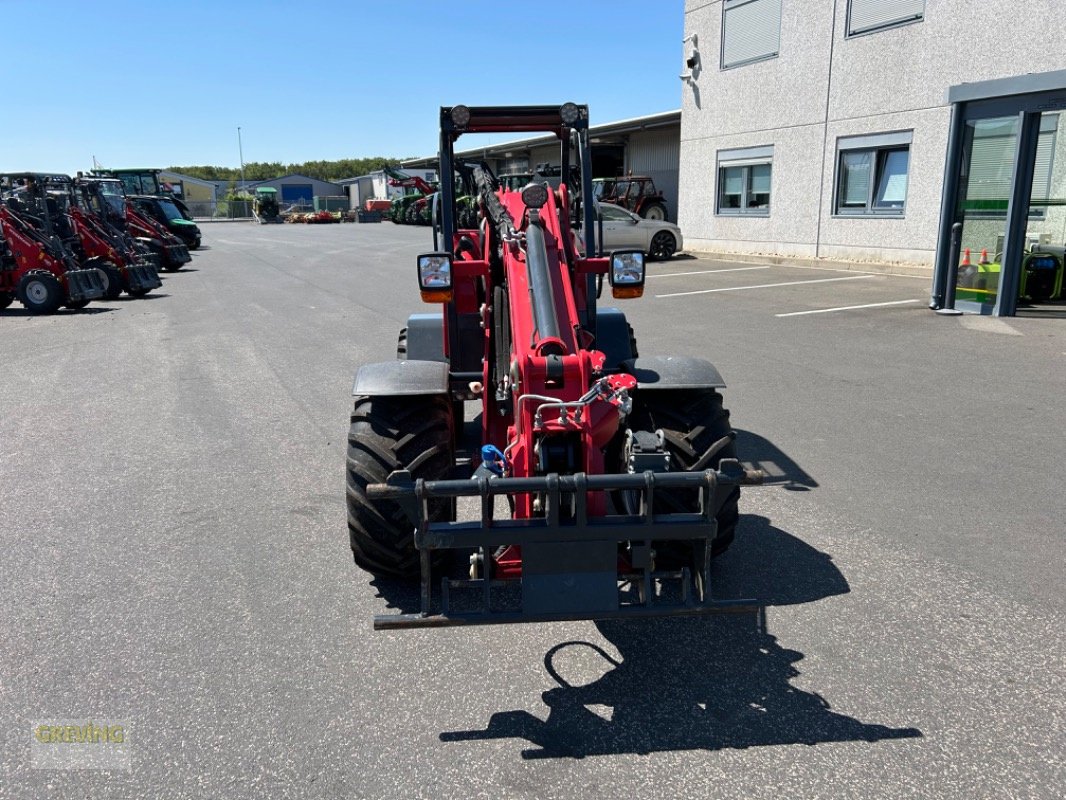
867,15
751,30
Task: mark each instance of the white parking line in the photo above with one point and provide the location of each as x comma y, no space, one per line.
847,308
705,272
768,285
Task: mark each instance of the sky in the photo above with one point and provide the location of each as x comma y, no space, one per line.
158,84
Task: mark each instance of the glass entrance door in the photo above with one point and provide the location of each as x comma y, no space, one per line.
1041,281
988,155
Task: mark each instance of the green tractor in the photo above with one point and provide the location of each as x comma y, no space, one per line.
266,208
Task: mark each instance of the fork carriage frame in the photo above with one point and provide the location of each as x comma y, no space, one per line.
551,545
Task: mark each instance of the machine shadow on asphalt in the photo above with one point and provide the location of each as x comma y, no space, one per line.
697,683
758,452
63,312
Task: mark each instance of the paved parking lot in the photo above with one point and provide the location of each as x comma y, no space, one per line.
175,554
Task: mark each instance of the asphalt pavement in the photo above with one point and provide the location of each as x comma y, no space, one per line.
175,558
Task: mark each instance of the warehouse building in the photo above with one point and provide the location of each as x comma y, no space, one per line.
375,186
197,193
822,129
648,145
297,189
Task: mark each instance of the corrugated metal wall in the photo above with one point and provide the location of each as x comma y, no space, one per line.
657,154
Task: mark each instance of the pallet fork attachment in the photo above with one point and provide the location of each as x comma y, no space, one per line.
564,539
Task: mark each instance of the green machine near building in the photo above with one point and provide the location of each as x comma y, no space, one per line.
1041,277
266,208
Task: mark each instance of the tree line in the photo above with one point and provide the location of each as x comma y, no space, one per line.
264,171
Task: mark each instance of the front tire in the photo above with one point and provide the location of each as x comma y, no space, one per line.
663,246
113,280
40,292
387,434
691,421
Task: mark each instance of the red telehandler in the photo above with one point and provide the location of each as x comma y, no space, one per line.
619,471
37,267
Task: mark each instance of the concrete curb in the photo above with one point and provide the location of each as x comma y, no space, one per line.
907,270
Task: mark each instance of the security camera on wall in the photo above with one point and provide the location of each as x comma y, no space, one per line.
693,59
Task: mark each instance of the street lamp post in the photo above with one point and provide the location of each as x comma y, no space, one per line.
240,149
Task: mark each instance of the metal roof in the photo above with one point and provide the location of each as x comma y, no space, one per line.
664,119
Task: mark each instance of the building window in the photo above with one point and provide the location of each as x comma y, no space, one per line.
744,181
867,16
872,174
751,31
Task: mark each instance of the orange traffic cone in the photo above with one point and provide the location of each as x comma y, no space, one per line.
965,258
984,256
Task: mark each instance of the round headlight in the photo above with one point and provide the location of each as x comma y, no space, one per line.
535,195
460,116
569,113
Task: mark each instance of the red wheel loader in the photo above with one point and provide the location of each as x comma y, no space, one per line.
619,471
37,267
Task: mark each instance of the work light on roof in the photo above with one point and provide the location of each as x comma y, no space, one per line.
460,116
569,113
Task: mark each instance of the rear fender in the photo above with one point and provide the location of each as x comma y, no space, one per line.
396,378
612,338
425,337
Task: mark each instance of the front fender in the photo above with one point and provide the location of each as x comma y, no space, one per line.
401,378
674,372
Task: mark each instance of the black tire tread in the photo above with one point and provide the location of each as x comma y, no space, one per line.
691,422
387,434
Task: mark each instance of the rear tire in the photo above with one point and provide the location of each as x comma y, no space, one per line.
691,421
654,211
387,434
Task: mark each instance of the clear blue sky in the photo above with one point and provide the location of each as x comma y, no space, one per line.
167,83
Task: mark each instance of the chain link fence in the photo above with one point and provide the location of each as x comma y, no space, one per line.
220,209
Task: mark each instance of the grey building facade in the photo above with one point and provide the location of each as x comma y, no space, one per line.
819,128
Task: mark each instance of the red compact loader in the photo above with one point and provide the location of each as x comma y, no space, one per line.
37,266
619,471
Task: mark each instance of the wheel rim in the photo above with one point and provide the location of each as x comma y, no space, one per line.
662,246
36,292
655,213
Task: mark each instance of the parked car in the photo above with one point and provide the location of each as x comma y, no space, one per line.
621,229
